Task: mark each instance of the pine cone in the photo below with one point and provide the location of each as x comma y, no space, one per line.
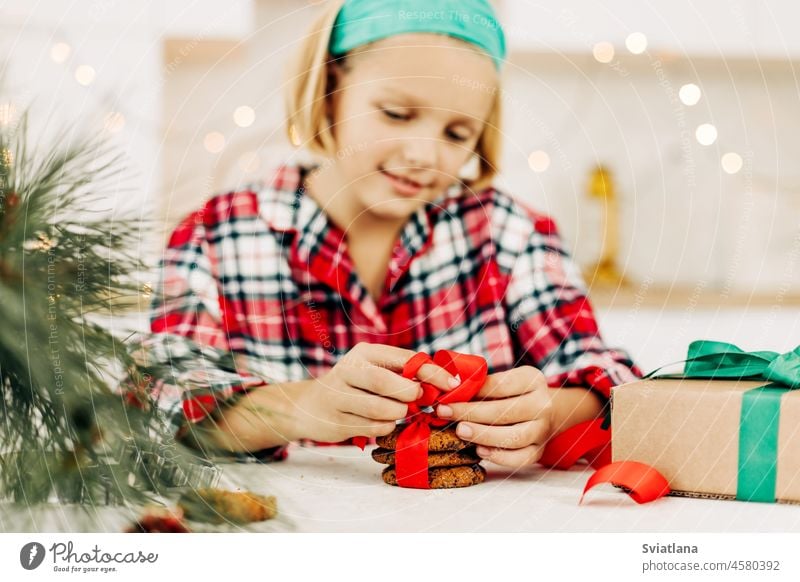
217,506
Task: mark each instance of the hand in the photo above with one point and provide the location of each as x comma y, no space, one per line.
511,422
363,394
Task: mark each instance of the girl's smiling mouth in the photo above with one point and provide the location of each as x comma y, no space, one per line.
403,185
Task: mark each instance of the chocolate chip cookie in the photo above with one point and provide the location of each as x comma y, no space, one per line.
445,477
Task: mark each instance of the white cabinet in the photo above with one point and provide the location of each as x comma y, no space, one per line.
707,28
657,337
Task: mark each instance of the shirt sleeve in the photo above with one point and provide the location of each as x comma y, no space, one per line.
187,354
553,322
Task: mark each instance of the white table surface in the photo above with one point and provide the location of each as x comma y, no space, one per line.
339,489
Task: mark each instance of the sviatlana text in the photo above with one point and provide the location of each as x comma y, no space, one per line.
672,548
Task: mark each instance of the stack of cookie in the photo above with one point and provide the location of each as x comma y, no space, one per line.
451,461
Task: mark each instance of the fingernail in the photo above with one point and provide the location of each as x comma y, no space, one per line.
454,381
444,411
464,431
483,451
420,393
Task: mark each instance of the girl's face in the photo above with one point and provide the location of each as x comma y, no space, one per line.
406,118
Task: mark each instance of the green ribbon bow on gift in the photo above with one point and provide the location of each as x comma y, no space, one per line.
710,359
760,415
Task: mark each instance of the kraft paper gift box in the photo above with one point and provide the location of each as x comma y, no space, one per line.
737,439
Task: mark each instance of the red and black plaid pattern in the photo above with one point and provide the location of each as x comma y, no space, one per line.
264,276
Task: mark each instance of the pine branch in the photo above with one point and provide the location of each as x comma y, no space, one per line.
64,429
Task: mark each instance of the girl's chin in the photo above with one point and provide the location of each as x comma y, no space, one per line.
393,207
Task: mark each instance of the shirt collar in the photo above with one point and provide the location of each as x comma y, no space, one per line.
287,208
416,235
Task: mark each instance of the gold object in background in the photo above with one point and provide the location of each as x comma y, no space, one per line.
7,157
294,135
605,273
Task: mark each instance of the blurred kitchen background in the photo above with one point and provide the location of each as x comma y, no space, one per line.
662,137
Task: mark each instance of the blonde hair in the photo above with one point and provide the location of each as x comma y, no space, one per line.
308,88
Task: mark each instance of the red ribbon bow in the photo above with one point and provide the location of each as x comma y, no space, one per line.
411,451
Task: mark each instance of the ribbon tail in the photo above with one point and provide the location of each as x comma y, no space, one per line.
599,457
411,456
585,439
643,482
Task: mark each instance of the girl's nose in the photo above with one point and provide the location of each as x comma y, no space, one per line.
421,152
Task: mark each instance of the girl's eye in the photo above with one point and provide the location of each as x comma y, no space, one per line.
397,115
454,135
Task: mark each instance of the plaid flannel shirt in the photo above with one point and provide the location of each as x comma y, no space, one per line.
257,287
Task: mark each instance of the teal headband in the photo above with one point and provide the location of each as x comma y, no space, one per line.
363,21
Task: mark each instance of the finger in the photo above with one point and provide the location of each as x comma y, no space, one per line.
498,412
514,436
377,380
356,425
373,407
512,383
438,376
395,359
515,458
383,356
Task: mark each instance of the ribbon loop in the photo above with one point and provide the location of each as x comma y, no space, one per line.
785,369
713,359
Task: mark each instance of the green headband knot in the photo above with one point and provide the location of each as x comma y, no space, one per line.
363,21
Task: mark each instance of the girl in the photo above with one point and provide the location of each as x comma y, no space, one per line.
286,311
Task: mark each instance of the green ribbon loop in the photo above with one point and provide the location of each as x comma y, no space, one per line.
712,359
760,414
723,360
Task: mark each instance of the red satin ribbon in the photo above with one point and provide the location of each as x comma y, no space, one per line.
590,440
643,482
586,439
411,451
